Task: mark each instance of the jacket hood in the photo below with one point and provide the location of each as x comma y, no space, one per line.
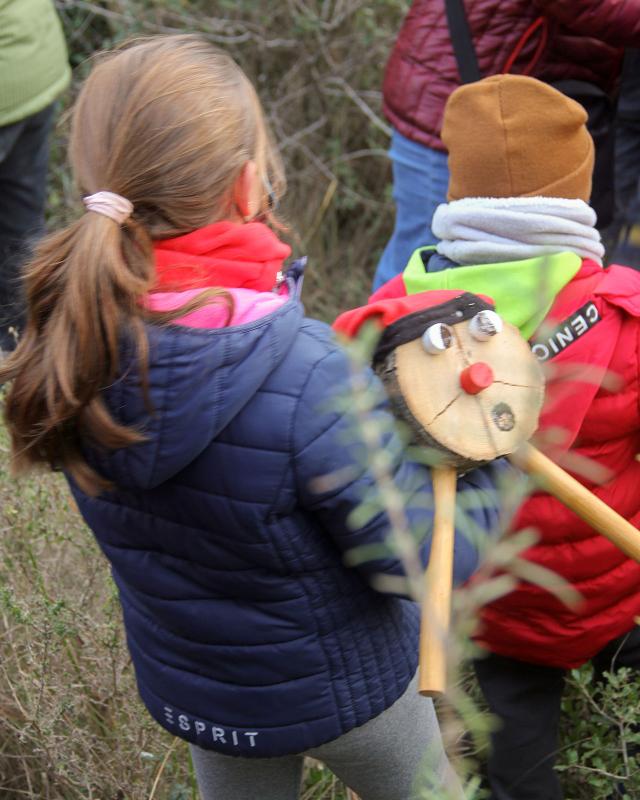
199,380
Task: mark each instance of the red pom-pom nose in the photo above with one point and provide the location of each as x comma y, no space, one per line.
476,377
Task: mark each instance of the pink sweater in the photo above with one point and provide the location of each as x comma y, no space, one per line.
248,305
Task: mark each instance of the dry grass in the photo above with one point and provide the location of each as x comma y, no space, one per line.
72,726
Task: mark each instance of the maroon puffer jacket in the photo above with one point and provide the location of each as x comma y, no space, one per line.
579,39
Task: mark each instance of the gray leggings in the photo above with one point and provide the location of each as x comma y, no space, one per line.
395,756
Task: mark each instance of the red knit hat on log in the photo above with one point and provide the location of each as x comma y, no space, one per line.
386,312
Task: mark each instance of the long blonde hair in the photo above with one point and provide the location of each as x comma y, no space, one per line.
168,123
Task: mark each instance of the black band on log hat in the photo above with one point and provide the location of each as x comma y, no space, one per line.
412,326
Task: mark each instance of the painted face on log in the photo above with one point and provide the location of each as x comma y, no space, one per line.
467,384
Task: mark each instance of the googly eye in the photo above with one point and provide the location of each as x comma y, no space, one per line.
485,324
437,338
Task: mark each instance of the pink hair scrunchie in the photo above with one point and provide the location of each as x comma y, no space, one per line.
110,205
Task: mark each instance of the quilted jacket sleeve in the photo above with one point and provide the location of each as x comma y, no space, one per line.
335,480
616,22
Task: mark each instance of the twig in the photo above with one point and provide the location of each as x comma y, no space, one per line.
324,205
162,768
364,107
600,772
595,706
98,11
369,152
300,134
392,499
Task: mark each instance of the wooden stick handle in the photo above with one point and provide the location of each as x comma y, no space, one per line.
579,499
436,600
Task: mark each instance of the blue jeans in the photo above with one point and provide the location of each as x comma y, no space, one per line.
420,181
24,158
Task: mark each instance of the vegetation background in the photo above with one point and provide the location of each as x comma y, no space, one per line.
71,724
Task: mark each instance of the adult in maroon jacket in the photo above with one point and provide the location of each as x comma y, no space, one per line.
553,40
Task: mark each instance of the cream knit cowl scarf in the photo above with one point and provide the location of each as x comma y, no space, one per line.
487,230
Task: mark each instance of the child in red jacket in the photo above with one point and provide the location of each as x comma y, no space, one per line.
519,228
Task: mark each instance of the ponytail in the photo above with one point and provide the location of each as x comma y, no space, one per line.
83,290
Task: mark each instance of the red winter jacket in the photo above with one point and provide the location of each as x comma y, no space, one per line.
594,325
599,421
580,39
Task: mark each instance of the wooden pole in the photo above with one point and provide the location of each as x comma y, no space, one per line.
579,499
436,601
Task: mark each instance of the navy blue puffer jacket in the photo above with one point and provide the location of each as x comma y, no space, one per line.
248,633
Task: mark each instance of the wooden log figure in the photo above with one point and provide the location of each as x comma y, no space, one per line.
463,379
469,387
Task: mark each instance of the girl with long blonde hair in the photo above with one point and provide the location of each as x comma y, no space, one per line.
168,369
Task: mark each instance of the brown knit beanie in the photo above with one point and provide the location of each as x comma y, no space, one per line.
513,136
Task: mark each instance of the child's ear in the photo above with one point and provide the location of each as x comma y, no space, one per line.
246,191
